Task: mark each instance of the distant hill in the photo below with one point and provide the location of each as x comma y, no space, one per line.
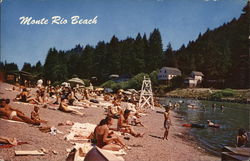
221,54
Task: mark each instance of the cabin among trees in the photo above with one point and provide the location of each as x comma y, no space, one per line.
194,79
168,73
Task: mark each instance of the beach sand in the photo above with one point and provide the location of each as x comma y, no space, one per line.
179,146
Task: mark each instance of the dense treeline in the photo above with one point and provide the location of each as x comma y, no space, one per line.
122,57
221,54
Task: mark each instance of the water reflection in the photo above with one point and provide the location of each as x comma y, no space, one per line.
232,117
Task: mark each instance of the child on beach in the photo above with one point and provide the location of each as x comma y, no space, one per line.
123,124
167,122
135,120
35,115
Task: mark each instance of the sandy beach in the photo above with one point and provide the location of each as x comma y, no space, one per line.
179,146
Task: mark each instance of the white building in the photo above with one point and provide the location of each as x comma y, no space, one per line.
194,79
198,76
167,73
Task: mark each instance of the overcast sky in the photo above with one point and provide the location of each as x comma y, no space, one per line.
179,21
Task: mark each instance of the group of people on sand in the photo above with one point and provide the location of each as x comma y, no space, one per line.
105,137
10,113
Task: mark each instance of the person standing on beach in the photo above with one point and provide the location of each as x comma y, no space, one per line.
167,122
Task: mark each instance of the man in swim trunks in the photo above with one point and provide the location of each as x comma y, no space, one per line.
7,112
167,122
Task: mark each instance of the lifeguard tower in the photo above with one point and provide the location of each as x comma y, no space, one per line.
146,96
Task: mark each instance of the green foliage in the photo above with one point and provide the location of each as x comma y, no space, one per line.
220,53
86,82
154,77
224,93
108,84
135,83
7,67
177,82
154,52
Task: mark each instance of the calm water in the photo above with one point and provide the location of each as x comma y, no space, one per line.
233,117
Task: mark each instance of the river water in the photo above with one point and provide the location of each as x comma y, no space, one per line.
233,117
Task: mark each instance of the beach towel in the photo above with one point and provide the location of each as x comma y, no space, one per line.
23,103
12,121
80,131
76,107
10,145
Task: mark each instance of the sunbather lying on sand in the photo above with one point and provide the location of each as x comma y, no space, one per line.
6,140
123,124
35,115
7,112
106,139
65,108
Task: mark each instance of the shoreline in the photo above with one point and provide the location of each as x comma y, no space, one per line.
204,99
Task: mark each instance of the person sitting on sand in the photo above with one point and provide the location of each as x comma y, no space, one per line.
136,121
65,108
7,112
106,139
123,124
24,97
241,138
167,122
113,112
116,102
35,115
106,97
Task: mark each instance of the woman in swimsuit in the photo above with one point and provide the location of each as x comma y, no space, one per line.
106,139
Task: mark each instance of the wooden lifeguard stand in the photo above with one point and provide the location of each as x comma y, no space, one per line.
146,96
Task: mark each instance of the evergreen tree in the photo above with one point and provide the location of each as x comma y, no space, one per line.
50,64
169,59
113,56
27,67
139,49
155,52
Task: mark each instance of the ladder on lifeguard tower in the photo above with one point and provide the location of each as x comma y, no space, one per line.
146,96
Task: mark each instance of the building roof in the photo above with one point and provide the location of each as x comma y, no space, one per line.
197,73
189,78
170,70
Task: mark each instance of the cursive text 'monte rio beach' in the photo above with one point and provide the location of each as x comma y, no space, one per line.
58,20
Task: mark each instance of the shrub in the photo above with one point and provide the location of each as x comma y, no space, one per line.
154,77
177,82
108,84
224,93
136,81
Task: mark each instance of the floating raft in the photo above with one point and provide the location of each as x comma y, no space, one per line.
194,125
235,154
